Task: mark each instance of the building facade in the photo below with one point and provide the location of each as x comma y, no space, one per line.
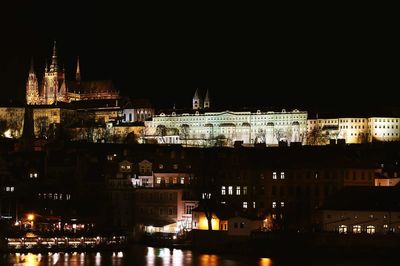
224,128
353,130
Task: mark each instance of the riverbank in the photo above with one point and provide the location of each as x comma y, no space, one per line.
282,244
38,244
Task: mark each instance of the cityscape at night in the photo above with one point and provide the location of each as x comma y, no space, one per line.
142,137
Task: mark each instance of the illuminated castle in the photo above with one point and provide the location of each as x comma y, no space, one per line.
55,88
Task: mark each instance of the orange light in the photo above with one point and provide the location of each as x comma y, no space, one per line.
31,217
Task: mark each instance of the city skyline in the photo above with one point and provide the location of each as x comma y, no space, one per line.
243,62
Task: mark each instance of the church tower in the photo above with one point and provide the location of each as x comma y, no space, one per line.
196,100
50,83
78,72
32,87
207,100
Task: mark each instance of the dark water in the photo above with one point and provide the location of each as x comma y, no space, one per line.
140,255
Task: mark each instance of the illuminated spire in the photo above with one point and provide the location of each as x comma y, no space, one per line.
207,100
196,95
32,69
196,100
78,71
53,66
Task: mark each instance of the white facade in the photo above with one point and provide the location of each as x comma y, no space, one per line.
136,114
224,128
358,130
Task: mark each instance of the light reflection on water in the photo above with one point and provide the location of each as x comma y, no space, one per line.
140,255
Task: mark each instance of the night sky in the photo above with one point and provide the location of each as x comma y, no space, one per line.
245,56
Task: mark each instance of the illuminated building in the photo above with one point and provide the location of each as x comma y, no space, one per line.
354,129
203,127
56,88
167,210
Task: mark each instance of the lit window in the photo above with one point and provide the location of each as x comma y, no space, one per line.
370,229
282,175
274,175
238,190
35,175
230,190
158,180
128,167
182,180
244,204
161,166
274,216
244,190
356,229
385,226
274,204
175,166
282,204
31,175
223,191
343,229
68,196
205,195
55,196
254,204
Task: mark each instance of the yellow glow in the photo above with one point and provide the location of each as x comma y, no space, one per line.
208,260
265,262
31,217
7,134
203,222
31,260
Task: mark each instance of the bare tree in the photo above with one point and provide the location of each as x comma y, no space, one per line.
161,131
184,133
316,137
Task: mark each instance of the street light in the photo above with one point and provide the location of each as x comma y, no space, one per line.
31,217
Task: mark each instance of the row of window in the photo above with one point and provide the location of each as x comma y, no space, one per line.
125,167
9,189
239,190
275,176
357,229
245,205
174,180
274,204
54,196
33,175
335,121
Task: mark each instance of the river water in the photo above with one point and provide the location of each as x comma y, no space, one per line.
141,255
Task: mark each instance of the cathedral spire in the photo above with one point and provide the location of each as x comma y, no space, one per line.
32,87
196,100
207,100
31,69
53,66
78,71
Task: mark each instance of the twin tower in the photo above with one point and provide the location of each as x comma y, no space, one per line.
199,103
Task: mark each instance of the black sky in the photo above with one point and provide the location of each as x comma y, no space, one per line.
246,56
